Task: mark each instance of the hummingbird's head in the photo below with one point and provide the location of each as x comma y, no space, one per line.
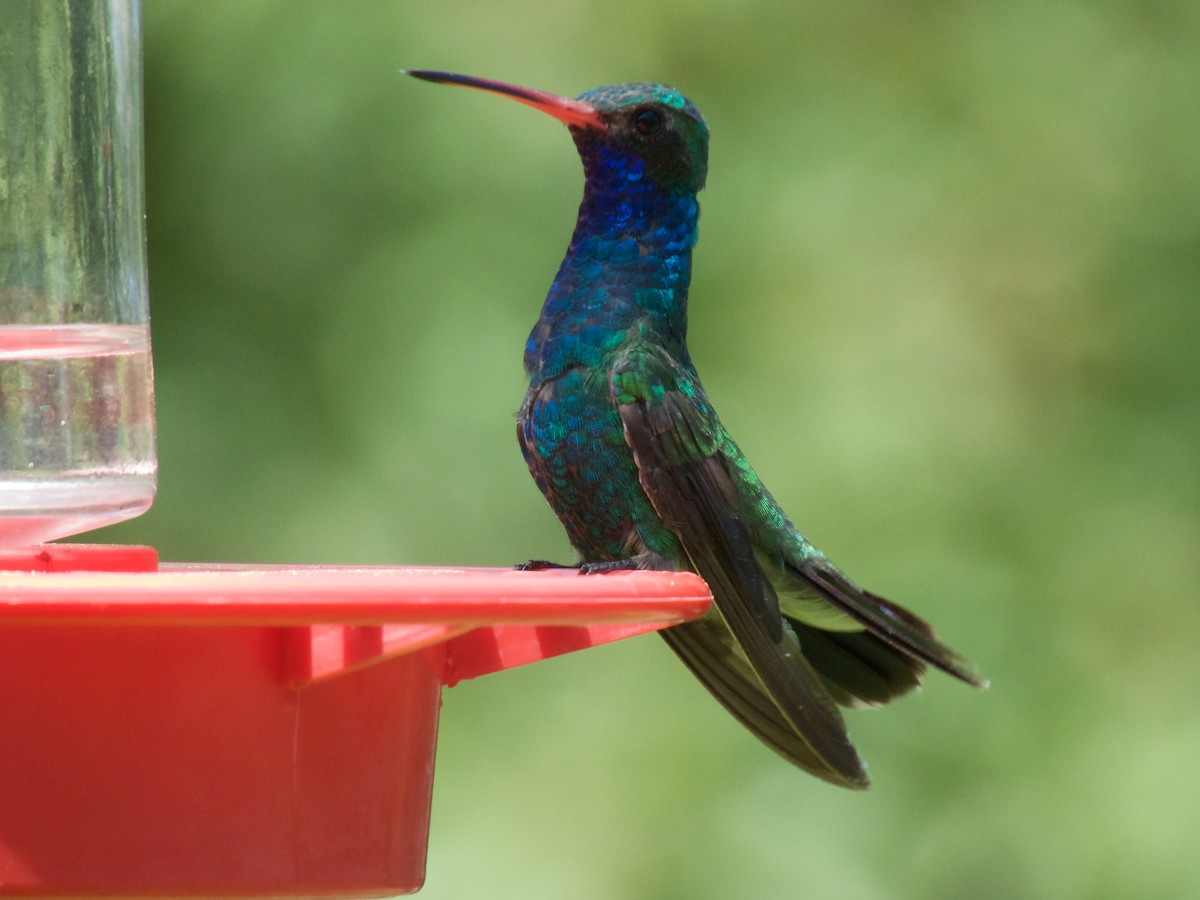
649,122
654,123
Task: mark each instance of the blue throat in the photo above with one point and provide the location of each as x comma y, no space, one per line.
629,264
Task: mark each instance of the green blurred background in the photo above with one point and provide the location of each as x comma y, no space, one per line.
946,296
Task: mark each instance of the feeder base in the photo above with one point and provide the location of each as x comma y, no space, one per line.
238,731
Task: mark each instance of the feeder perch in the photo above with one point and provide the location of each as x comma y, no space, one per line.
175,730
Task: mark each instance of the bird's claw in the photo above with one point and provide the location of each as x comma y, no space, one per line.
599,568
585,568
541,565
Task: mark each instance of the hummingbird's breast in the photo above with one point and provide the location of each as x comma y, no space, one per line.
574,444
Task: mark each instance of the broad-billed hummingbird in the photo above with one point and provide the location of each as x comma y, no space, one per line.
624,443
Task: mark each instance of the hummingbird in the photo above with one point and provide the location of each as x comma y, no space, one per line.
624,443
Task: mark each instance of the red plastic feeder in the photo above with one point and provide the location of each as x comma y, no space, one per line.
178,730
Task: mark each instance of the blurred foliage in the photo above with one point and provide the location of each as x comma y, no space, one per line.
946,296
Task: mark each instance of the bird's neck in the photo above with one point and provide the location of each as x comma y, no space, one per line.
628,266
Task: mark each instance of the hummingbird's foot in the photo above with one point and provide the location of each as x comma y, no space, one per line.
541,565
615,565
643,561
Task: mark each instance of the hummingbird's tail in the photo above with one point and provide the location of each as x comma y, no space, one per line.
788,696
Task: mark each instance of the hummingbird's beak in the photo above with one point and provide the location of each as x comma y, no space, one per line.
566,110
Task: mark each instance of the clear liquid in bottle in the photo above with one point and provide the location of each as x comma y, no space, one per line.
76,429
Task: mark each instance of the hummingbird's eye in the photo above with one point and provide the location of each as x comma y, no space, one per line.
648,121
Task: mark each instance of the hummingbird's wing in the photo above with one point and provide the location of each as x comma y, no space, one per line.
745,654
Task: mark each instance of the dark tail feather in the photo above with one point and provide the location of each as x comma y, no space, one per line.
856,667
732,682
